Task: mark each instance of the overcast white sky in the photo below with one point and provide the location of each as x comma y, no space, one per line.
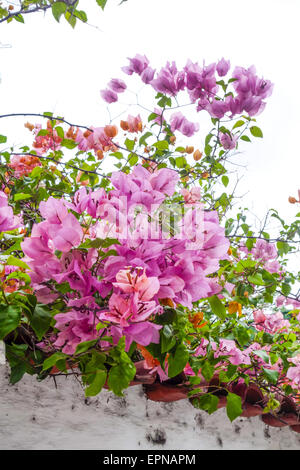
51,67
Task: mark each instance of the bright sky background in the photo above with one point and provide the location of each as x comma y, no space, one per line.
51,67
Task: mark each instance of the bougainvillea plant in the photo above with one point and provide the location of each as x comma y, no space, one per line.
69,9
121,261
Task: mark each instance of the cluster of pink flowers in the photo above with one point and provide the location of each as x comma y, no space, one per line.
8,221
287,301
193,196
115,86
132,124
23,164
266,253
293,373
179,122
271,323
136,277
201,82
46,141
228,349
96,139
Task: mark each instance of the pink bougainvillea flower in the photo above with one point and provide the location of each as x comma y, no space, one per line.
236,356
39,245
53,210
266,253
143,333
67,235
169,80
180,123
23,164
136,65
117,85
8,221
293,373
147,75
44,295
271,323
216,108
109,96
75,327
228,141
164,181
223,67
133,124
192,196
134,280
125,310
201,82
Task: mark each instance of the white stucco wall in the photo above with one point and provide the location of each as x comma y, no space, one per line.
36,415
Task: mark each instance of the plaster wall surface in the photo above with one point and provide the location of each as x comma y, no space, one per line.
37,415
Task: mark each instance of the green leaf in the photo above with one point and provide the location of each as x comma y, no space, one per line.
36,172
101,3
21,196
263,355
207,150
178,361
96,363
238,124
256,131
133,159
256,279
169,316
43,132
68,143
10,316
286,288
144,137
168,339
225,180
19,18
271,375
13,261
100,242
97,384
207,370
180,162
161,145
19,275
58,9
85,346
283,248
15,354
81,15
120,377
207,402
3,139
52,360
217,307
233,406
71,19
245,138
41,320
60,132
118,155
130,144
17,372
